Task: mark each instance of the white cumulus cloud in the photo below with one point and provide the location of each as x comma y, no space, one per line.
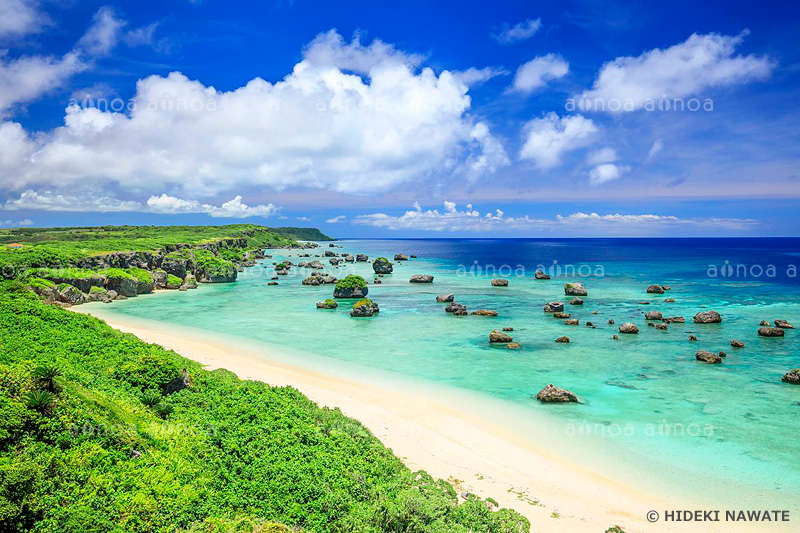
54,201
336,219
700,63
170,205
91,201
538,71
320,127
451,219
547,139
606,172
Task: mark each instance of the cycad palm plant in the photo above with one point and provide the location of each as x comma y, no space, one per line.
151,398
40,400
46,376
163,410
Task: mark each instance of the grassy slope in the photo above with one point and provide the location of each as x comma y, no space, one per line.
61,246
224,455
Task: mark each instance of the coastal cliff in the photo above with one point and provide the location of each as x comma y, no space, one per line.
70,266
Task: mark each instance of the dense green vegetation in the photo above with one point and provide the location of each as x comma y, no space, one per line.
93,438
303,234
54,247
351,281
362,301
213,265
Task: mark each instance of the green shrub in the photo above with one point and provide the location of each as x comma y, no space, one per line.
351,282
149,371
119,273
94,289
362,301
40,283
40,400
141,275
64,272
212,265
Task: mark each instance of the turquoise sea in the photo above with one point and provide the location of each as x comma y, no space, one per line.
650,414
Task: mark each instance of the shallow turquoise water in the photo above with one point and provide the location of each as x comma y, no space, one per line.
650,414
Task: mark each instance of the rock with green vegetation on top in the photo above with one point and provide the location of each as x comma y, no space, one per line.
329,303
213,269
70,295
363,308
173,282
98,294
179,263
43,288
144,280
351,286
382,266
81,278
575,289
119,280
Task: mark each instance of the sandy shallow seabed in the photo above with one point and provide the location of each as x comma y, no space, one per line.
451,442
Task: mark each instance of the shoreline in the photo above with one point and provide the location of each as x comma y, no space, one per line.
474,453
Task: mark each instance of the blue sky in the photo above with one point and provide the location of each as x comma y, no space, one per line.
403,119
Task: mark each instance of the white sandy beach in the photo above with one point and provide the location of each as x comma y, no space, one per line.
451,442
